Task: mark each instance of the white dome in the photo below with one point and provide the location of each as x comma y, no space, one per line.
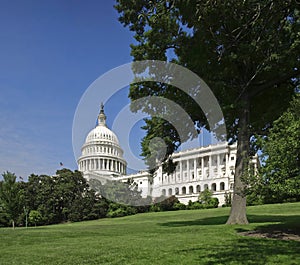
101,154
102,133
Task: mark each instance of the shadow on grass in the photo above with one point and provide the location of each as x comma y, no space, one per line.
247,250
218,220
292,221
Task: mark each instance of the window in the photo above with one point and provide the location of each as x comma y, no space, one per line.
183,190
232,158
170,191
222,186
198,188
191,189
213,187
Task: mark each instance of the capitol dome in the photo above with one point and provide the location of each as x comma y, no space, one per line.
103,134
101,154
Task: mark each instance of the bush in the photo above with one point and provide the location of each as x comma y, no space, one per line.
205,198
212,203
119,210
179,206
168,204
155,208
195,205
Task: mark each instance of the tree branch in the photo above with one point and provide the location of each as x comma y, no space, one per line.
281,79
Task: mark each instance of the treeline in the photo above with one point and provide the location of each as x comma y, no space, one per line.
49,199
68,197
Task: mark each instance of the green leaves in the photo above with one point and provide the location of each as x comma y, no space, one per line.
282,150
10,196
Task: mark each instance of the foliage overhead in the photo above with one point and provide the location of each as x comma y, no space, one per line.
246,51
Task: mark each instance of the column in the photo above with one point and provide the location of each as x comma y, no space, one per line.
218,165
195,168
226,164
188,169
209,166
181,175
202,167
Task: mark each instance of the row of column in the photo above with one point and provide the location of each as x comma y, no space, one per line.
195,167
101,150
102,164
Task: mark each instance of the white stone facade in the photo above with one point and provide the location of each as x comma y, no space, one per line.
211,167
101,155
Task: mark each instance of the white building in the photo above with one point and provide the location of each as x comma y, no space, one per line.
211,167
101,155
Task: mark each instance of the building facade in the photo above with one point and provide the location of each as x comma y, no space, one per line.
210,167
101,154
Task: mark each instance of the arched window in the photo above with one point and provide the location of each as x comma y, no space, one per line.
191,189
222,186
183,190
206,187
170,191
213,187
176,191
198,188
164,192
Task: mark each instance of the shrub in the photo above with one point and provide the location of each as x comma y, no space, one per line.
205,198
119,210
195,205
179,206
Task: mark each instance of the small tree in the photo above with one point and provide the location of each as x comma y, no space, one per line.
206,199
35,217
205,196
10,197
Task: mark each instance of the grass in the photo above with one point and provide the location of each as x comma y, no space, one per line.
181,237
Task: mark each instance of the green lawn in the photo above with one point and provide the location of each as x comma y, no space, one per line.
181,237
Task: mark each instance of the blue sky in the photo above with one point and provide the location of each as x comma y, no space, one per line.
50,52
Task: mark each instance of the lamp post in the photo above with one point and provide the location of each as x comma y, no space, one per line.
26,215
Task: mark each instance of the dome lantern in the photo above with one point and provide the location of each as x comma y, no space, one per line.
102,116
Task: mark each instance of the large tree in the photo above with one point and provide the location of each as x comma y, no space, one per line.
246,51
281,149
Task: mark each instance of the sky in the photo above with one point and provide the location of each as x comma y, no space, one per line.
50,53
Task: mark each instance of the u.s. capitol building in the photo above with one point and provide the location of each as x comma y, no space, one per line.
210,167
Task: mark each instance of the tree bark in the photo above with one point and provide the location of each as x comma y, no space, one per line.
238,206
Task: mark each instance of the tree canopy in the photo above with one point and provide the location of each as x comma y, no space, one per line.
281,172
10,197
246,51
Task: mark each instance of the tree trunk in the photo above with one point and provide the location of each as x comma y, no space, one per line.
238,206
13,224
